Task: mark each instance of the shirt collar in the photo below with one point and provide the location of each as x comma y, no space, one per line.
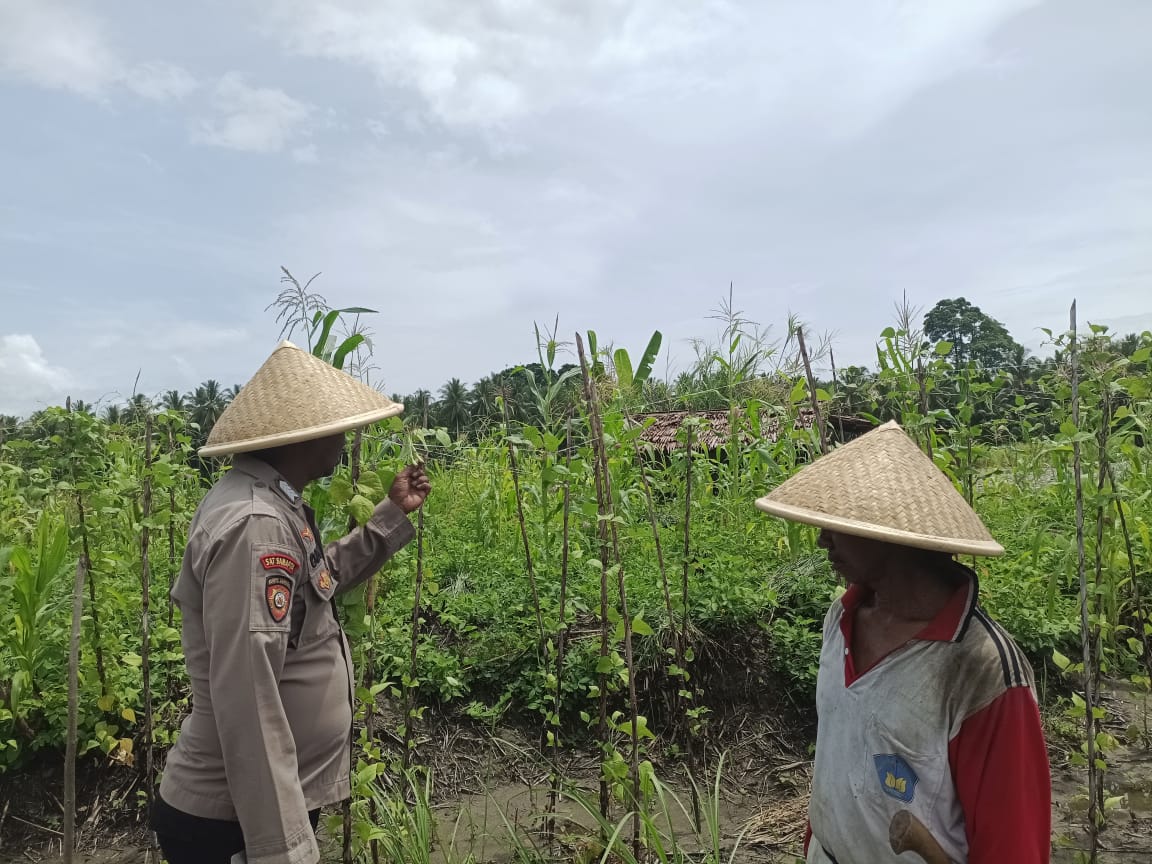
263,472
950,624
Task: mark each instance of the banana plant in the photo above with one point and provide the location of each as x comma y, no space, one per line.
631,381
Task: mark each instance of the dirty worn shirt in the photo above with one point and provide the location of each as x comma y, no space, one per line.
946,726
267,738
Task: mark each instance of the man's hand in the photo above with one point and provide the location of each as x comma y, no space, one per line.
410,488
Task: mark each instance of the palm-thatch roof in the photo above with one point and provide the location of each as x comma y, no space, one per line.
662,429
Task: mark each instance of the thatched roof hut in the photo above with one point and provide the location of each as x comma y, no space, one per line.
662,430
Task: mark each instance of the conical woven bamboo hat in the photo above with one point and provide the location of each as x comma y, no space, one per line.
882,486
295,397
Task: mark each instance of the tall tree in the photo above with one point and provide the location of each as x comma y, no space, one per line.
454,411
208,402
974,335
139,406
174,401
483,406
418,406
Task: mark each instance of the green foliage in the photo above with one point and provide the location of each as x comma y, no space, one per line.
966,334
1003,436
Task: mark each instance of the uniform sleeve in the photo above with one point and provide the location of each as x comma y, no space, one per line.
1000,766
248,588
359,554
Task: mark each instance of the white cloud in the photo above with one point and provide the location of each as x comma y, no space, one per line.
27,379
160,82
256,119
481,63
61,47
56,47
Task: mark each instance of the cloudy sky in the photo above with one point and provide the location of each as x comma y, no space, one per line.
468,167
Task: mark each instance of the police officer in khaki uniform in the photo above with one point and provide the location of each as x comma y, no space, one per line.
267,742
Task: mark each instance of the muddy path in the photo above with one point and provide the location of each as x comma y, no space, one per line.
1127,836
492,784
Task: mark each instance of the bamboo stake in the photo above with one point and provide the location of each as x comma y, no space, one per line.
73,705
1101,508
836,388
92,595
629,660
677,635
172,563
1085,628
145,622
90,575
812,391
561,641
410,696
369,595
602,506
924,405
689,737
523,523
410,690
1133,579
678,647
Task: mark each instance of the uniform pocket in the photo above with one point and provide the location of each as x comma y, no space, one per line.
903,769
319,619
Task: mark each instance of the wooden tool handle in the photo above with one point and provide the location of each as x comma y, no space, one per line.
908,834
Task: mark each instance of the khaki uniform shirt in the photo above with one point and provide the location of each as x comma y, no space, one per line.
268,737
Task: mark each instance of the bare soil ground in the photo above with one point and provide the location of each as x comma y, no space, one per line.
486,780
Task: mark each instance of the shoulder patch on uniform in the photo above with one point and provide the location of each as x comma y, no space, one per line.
280,561
896,776
278,593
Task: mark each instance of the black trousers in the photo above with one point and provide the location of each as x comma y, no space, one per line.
187,839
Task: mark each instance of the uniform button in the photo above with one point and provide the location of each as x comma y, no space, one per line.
846,652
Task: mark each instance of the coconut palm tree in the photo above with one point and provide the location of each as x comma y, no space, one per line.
453,408
208,402
175,401
483,407
8,425
113,415
139,407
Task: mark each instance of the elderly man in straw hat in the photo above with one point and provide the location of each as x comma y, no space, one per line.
267,742
925,704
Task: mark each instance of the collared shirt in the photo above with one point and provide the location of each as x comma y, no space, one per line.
270,669
946,726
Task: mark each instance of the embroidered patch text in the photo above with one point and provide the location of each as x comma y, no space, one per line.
279,561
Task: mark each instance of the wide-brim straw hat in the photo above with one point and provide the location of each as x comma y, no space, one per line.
295,397
882,486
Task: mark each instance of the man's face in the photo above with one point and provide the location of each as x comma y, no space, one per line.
327,453
857,559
